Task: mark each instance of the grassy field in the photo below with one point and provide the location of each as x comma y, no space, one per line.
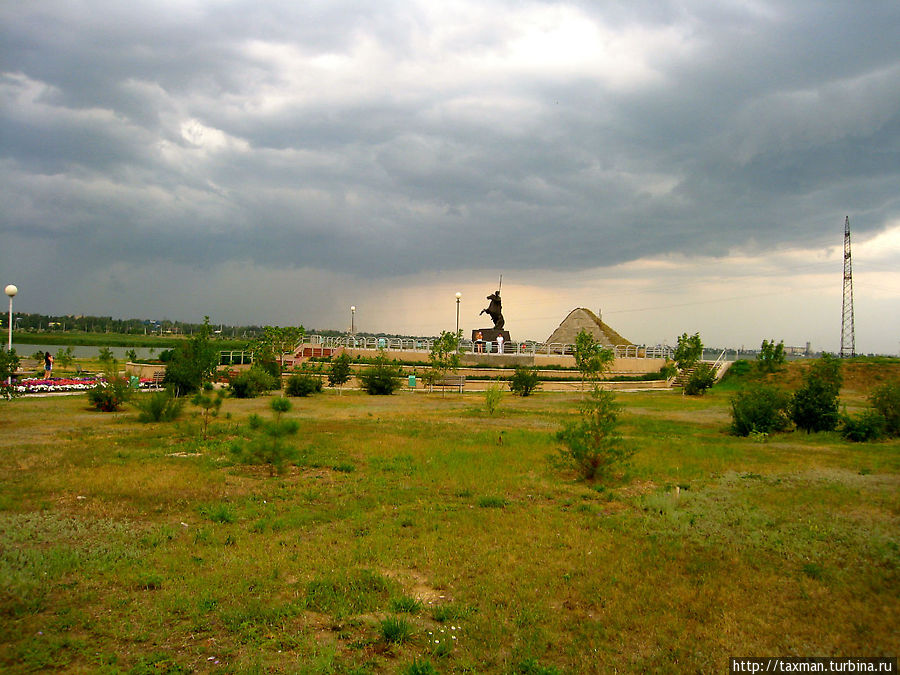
417,528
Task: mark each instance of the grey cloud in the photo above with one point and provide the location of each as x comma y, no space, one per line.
766,126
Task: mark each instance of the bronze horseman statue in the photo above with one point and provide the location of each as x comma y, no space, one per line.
494,310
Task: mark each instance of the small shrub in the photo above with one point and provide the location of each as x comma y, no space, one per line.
210,406
868,425
158,406
395,630
252,383
492,396
668,371
111,395
592,444
700,380
302,385
381,379
524,381
269,446
886,400
761,410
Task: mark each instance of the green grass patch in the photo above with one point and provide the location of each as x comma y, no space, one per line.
415,533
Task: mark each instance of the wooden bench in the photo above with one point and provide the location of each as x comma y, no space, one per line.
457,382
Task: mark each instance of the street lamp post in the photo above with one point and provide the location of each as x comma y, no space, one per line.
352,317
458,297
11,292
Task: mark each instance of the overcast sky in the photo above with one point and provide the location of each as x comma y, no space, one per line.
680,166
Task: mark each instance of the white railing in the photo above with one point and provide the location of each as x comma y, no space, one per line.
526,348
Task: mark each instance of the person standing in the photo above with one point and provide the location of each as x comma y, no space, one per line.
48,365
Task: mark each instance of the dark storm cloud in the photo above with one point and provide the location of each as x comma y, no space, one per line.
390,138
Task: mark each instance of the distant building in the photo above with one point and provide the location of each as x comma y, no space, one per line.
584,319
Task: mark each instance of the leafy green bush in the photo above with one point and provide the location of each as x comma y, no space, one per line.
593,444
700,380
814,406
111,395
524,381
381,379
158,406
302,385
9,363
866,426
668,371
252,383
760,409
886,400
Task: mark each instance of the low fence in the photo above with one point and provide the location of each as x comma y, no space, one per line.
525,348
325,346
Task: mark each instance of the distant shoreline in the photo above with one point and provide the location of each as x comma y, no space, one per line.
114,340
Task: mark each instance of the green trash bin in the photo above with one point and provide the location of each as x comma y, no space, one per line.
412,381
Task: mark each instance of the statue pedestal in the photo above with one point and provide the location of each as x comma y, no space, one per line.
489,343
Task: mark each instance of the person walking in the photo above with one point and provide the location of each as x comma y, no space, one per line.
48,365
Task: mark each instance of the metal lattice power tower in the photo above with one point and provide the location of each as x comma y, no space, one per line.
848,332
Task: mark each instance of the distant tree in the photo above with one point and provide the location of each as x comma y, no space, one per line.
276,342
770,356
193,362
106,357
444,355
65,357
591,357
340,371
688,351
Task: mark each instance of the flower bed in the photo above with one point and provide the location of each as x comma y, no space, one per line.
64,384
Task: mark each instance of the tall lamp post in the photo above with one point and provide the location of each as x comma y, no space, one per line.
458,297
352,317
11,292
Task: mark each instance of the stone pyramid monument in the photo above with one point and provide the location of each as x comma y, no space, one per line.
582,318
